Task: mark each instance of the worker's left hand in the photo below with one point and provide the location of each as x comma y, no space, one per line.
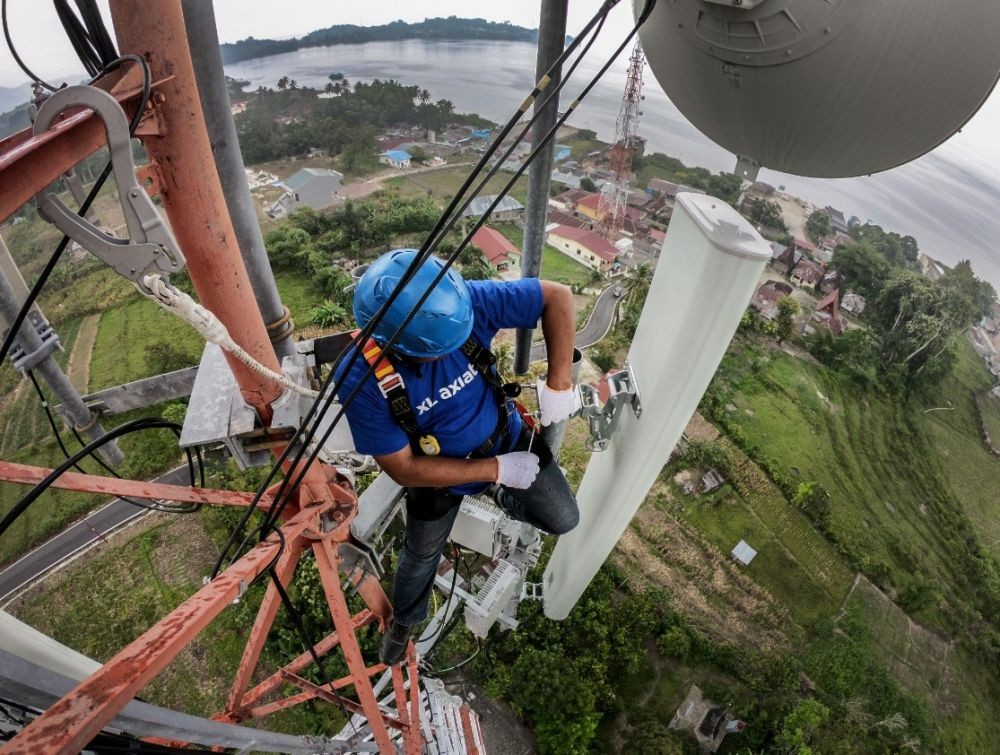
556,406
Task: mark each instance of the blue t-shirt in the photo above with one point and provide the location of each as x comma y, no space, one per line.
450,399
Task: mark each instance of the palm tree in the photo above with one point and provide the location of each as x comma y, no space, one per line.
293,84
330,88
283,83
424,96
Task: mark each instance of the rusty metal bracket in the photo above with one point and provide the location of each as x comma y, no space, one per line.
151,247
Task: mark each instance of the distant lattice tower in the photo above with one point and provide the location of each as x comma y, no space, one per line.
614,195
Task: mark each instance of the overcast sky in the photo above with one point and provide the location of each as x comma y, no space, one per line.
41,42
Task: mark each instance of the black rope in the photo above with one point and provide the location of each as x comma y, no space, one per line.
13,51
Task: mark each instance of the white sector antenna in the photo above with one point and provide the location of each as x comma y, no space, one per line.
708,269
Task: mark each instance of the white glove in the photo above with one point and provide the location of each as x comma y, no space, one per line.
517,469
556,406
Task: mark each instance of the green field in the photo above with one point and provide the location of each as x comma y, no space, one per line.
990,407
794,562
442,184
23,421
899,480
127,338
298,294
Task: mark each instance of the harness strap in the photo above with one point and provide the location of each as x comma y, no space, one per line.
393,389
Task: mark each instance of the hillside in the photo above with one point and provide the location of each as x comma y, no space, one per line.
340,34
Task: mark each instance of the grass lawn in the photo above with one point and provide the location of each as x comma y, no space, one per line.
23,421
897,486
442,184
52,511
794,562
127,338
298,294
990,407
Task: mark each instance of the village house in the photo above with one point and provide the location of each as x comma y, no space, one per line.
496,249
804,247
831,279
807,274
508,209
787,260
311,187
396,158
663,187
852,302
567,200
584,246
558,217
837,220
827,314
566,179
560,152
765,299
589,206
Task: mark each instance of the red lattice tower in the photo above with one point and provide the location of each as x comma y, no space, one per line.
317,519
614,195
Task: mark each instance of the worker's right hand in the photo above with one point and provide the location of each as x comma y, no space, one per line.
517,469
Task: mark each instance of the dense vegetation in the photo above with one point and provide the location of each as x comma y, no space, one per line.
431,28
292,120
914,323
725,186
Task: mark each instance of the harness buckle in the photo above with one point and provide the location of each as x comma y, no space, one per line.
389,383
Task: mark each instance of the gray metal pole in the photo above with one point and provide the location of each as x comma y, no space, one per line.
73,408
199,20
551,41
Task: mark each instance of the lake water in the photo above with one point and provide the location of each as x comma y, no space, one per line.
948,200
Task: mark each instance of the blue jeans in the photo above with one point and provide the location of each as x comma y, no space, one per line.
548,504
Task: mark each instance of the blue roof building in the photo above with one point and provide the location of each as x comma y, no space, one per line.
560,153
397,158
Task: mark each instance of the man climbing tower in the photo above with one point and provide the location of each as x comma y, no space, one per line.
438,420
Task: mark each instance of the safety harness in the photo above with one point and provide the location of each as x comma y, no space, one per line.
393,389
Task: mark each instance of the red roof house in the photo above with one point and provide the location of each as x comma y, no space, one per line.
586,247
496,248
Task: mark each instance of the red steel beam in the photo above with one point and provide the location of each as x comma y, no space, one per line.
25,474
413,741
191,193
330,697
262,625
255,695
71,723
328,563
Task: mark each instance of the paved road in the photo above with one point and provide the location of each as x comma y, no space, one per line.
596,327
70,541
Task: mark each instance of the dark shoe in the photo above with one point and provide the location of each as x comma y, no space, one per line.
394,643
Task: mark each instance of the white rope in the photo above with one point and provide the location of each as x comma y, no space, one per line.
211,328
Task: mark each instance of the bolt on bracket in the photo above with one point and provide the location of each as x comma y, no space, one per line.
603,420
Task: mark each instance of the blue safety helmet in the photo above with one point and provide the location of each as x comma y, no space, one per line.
443,322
